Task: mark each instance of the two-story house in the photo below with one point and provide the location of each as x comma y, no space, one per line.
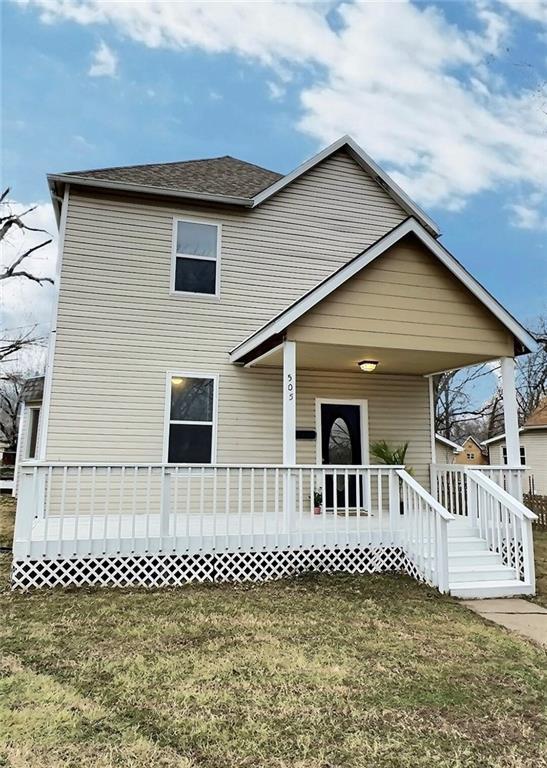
227,343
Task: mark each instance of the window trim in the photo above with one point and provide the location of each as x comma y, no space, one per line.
31,410
522,454
167,413
175,255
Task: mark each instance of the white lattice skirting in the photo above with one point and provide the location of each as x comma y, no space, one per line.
174,570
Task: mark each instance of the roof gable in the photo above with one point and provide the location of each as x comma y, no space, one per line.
279,324
368,165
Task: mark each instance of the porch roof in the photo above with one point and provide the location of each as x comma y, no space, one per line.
267,338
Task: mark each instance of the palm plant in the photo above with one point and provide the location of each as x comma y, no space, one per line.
389,454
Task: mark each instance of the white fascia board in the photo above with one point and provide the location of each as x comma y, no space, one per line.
121,186
321,291
368,164
455,447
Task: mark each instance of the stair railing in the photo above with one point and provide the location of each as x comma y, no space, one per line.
503,522
425,533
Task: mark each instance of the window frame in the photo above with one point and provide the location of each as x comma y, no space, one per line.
522,454
168,421
33,413
175,256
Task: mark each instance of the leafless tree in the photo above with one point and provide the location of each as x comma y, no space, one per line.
456,412
12,342
11,389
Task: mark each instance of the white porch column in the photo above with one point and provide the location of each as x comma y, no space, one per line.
510,412
289,403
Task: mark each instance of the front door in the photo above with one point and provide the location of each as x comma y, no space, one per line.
341,443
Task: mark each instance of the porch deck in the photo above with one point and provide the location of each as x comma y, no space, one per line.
156,524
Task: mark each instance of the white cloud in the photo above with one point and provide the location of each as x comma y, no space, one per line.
529,214
421,94
536,10
275,90
25,303
105,62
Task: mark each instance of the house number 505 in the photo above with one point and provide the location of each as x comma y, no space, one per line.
290,386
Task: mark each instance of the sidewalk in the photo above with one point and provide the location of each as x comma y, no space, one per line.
517,614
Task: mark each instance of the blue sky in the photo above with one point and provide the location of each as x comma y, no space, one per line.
449,98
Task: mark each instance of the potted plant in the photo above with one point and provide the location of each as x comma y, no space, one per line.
317,502
393,455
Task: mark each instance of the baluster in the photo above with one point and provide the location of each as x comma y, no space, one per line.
324,506
380,505
175,475
301,507
265,474
92,509
201,505
188,506
147,507
107,507
346,502
240,504
48,508
62,516
134,508
215,499
120,510
335,503
276,505
77,510
252,503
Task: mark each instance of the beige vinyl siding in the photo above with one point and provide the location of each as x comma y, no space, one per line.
444,454
535,446
405,299
120,330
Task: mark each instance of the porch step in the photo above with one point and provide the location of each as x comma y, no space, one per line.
466,544
456,559
480,589
476,573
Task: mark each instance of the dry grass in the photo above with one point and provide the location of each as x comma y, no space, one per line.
315,672
540,551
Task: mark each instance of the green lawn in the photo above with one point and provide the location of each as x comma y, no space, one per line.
315,672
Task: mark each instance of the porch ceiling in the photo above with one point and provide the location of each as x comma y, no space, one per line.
330,357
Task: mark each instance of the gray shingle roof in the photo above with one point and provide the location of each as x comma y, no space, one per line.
224,176
33,389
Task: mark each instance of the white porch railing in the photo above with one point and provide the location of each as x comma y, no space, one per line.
449,483
84,510
425,532
504,522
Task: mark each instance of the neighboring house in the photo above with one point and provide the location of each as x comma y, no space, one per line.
473,453
533,450
28,438
227,343
445,450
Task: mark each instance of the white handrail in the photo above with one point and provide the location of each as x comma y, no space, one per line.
500,494
426,532
427,497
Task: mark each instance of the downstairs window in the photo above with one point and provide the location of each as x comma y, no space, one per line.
191,425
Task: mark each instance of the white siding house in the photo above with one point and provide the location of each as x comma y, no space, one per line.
227,343
533,450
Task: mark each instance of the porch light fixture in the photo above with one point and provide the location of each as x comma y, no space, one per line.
176,380
368,365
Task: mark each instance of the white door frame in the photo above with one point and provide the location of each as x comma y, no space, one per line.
363,405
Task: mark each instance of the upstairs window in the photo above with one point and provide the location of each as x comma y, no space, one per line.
522,455
191,427
196,258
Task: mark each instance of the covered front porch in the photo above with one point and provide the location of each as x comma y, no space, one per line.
348,363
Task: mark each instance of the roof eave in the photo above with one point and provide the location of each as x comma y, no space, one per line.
369,165
120,186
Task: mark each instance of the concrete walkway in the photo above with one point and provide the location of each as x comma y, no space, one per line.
522,616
